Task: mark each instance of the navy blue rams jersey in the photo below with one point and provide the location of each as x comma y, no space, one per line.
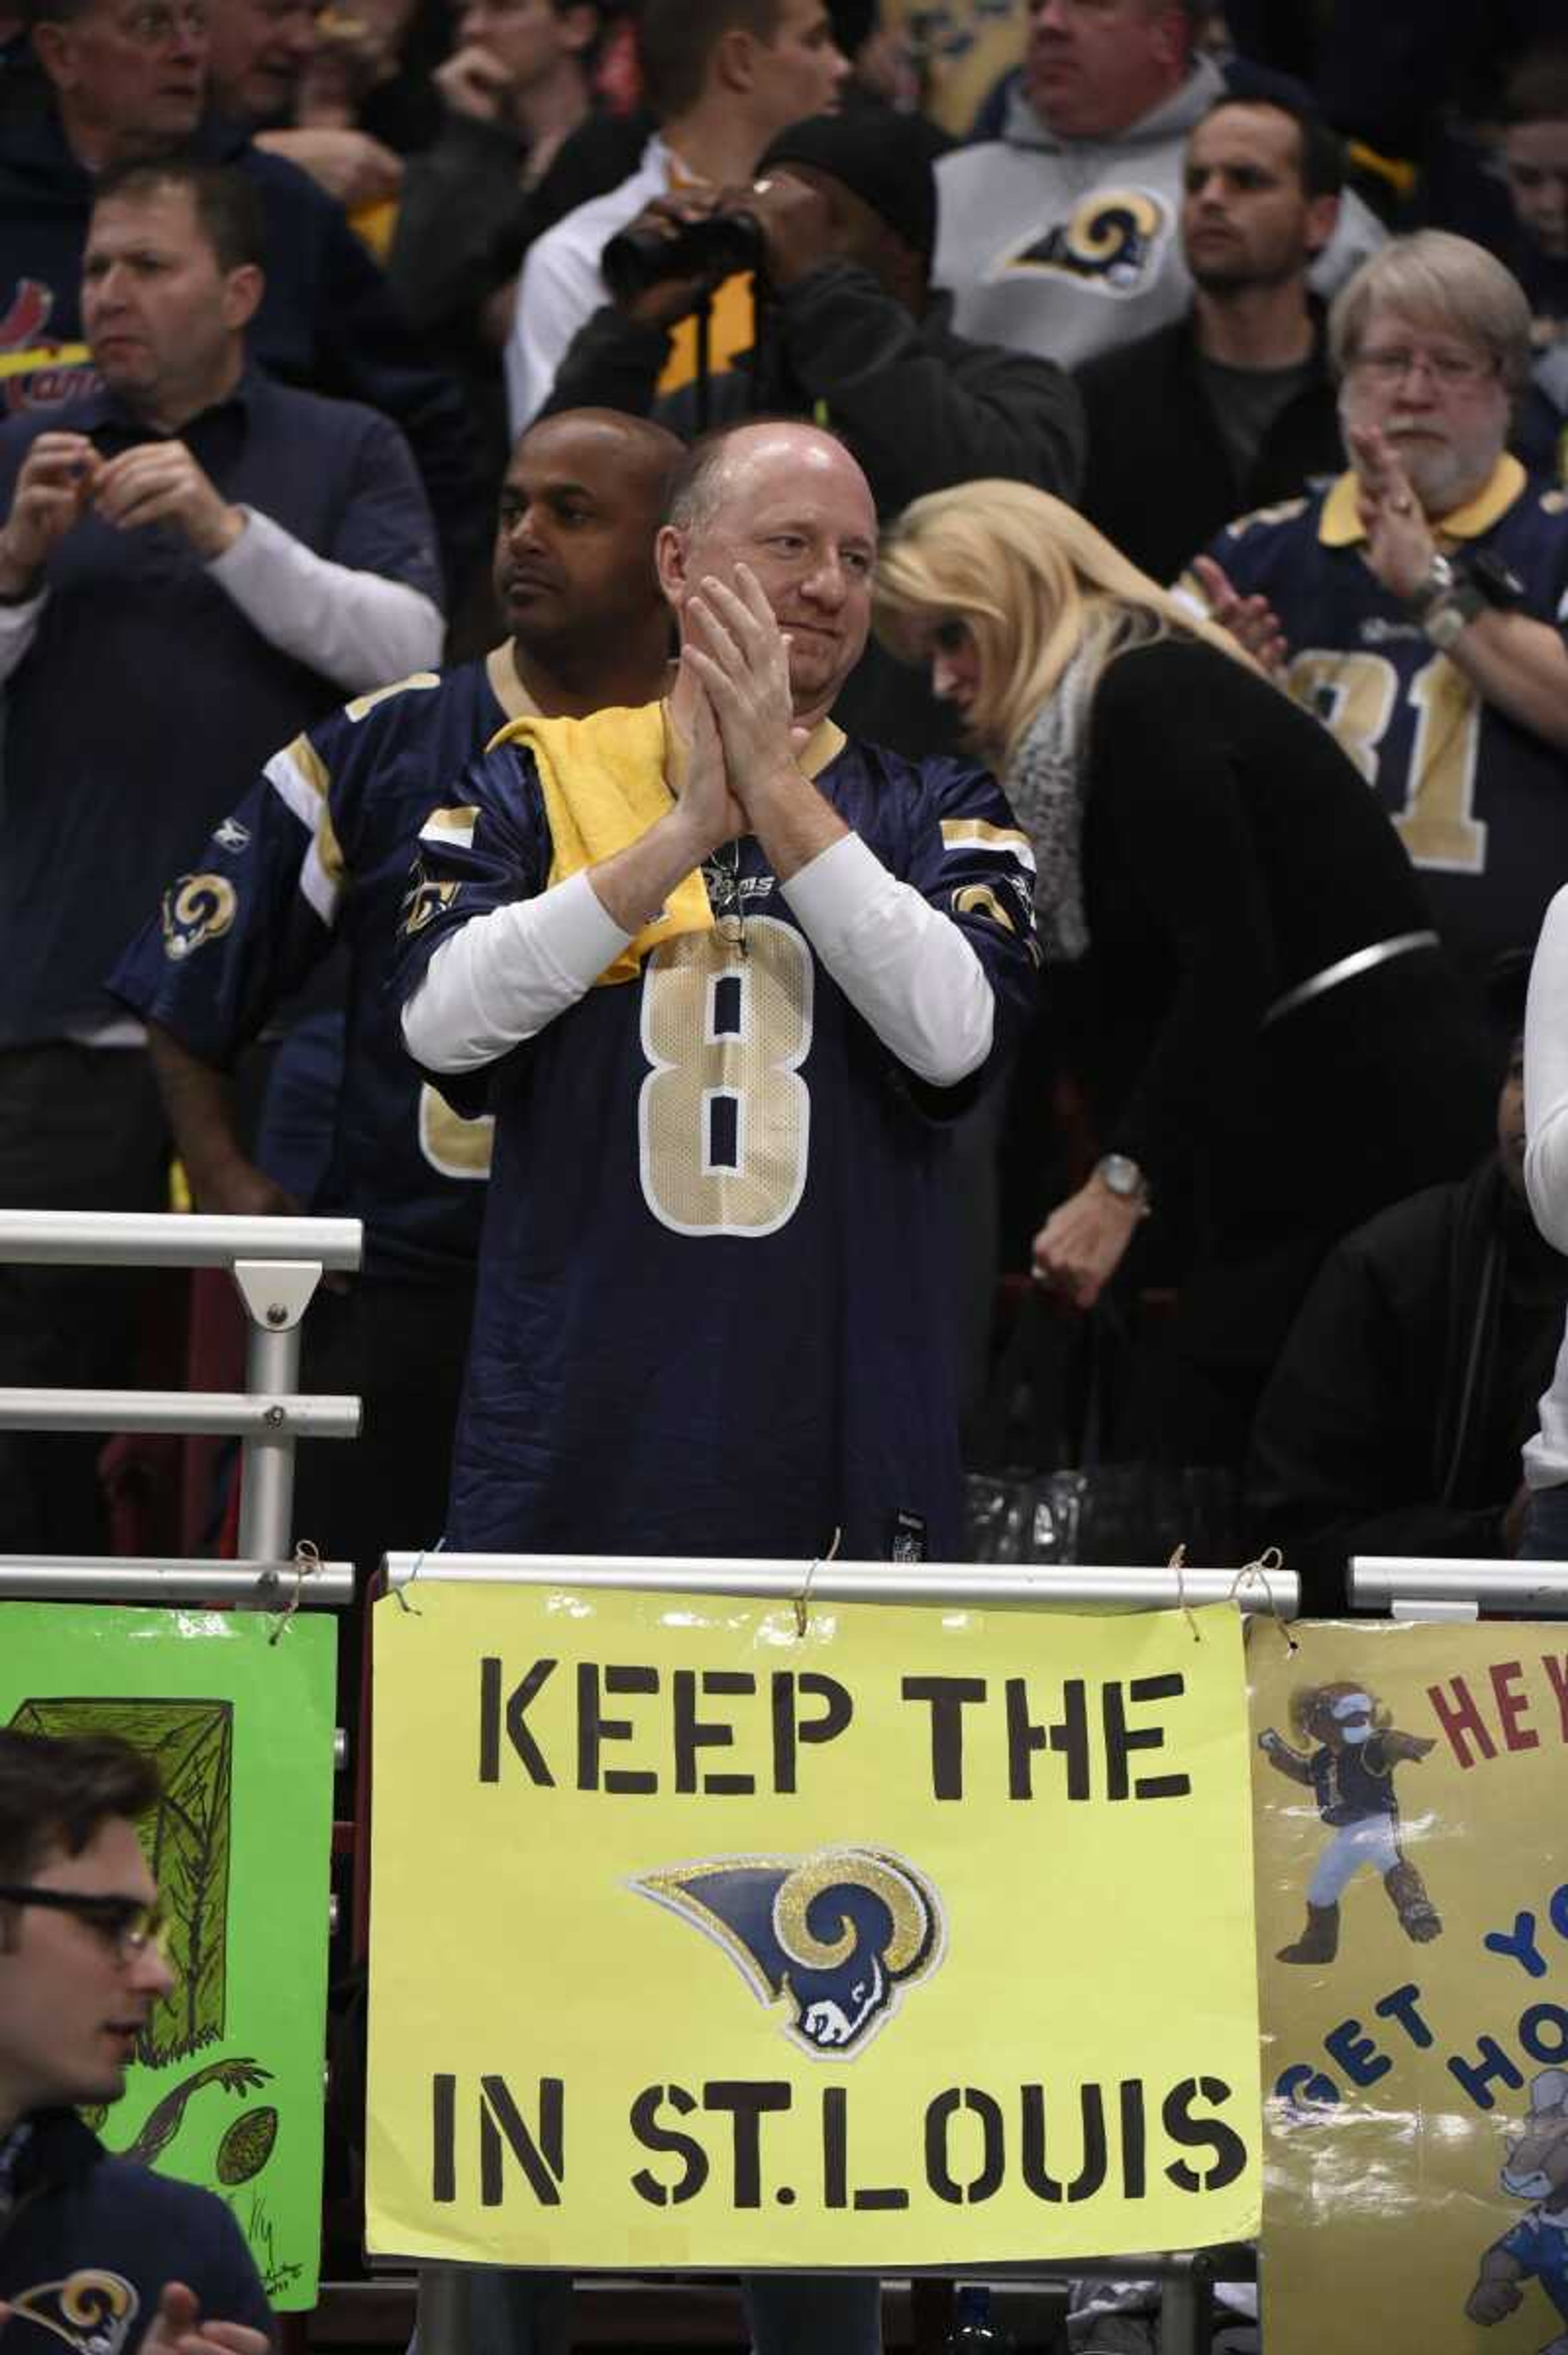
1353,1783
712,1305
320,852
1480,802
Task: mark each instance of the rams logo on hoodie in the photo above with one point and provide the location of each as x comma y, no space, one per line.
92,2311
1115,239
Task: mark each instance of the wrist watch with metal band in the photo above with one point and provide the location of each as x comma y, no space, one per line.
1451,616
1120,1175
1452,595
1437,583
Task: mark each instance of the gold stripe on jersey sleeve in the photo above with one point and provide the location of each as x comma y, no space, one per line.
450,826
979,833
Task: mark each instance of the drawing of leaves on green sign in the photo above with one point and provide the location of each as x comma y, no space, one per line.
186,1840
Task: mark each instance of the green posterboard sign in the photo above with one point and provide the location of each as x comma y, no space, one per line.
227,2090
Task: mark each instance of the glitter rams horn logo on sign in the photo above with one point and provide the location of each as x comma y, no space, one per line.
841,1932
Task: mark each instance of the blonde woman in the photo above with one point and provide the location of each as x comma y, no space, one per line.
1247,979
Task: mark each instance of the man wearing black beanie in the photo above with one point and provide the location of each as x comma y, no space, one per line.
851,333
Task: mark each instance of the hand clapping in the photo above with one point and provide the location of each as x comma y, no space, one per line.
741,657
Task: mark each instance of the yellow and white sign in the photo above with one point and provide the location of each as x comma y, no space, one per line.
1412,1929
923,1937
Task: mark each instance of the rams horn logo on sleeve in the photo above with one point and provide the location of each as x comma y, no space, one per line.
91,2311
840,1932
1114,240
198,908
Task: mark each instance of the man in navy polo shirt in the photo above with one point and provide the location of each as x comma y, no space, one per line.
199,566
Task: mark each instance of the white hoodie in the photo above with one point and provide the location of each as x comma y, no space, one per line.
1067,248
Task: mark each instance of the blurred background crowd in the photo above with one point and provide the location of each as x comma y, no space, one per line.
283,284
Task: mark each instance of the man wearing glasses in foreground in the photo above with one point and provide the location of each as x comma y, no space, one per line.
1418,607
94,2250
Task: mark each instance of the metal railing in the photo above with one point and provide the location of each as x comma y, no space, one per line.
1073,1589
1414,1587
276,1265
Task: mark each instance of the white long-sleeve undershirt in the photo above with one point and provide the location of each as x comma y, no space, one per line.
356,628
1546,1159
1546,1077
905,968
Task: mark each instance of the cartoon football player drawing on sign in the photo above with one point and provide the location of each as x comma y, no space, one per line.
1536,2248
1351,1771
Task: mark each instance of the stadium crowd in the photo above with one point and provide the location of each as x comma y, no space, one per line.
858,715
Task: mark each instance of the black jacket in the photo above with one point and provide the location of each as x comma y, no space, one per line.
1160,481
327,322
1396,1416
75,2210
921,407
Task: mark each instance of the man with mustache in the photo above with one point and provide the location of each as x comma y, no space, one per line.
1418,604
94,2250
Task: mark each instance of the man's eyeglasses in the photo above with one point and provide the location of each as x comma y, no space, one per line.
153,25
1448,369
125,1924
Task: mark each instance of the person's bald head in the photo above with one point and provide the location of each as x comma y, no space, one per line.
791,503
579,509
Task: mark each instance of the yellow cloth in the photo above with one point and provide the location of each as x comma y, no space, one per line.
375,225
732,322
603,781
732,329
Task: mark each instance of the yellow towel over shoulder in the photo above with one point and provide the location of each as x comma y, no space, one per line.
604,782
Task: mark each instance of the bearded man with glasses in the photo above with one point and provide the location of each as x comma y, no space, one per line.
1419,605
94,2250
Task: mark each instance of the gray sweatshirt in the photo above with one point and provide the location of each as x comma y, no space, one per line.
1067,248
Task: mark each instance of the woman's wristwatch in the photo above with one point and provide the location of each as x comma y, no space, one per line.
1120,1175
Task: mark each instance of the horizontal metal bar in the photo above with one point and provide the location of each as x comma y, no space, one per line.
859,1581
1233,2261
162,1239
1378,1580
226,1585
180,1410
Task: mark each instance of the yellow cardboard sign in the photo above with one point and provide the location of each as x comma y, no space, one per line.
1413,1930
924,1937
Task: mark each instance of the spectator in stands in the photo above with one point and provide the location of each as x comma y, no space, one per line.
1395,1417
514,91
259,53
1535,166
82,1965
196,563
1232,406
852,330
722,77
1265,1018
874,917
1060,237
1418,604
514,86
319,852
129,81
1546,1182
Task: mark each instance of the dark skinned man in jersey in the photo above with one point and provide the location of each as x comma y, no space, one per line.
318,853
